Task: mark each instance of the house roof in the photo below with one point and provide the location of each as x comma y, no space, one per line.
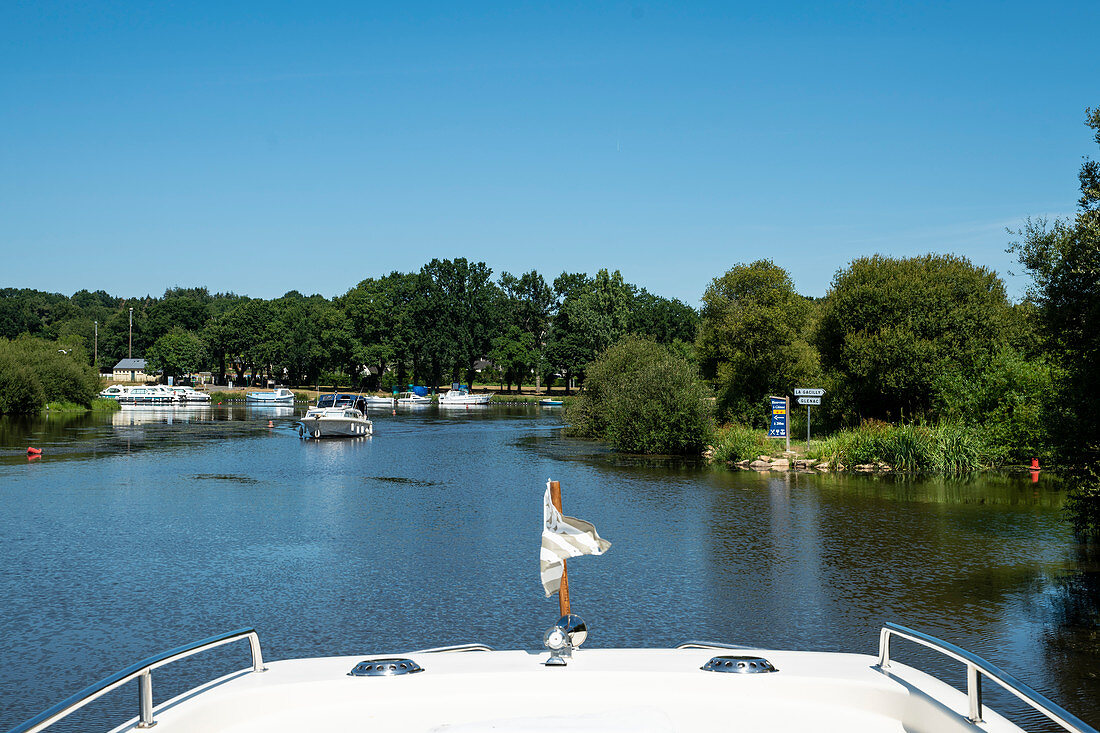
128,364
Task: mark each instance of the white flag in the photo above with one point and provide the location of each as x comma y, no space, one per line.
564,537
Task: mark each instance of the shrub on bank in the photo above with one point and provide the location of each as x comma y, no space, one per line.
35,371
641,398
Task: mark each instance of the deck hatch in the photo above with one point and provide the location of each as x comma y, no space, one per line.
739,665
385,667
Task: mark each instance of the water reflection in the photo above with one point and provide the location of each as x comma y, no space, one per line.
132,536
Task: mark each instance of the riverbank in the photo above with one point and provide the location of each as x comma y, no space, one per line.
871,447
99,404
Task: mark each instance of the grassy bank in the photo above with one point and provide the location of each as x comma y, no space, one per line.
943,448
99,404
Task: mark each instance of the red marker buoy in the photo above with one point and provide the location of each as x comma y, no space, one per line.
1034,464
34,451
270,424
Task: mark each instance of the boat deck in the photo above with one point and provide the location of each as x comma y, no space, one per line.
599,690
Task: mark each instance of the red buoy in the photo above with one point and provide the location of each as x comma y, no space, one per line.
1034,464
270,424
34,451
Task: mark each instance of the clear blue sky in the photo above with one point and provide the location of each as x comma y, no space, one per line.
264,147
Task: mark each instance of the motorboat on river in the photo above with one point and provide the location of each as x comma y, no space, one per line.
148,395
334,422
460,395
189,394
471,688
413,398
280,396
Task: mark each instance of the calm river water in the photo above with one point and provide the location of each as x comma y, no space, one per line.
142,530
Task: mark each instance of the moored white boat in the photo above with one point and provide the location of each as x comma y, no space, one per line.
147,395
412,399
472,689
334,422
460,395
280,396
189,394
548,402
379,401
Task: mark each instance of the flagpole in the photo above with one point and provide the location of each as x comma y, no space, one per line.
563,594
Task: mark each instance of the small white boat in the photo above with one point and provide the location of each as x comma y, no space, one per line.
281,396
459,394
113,392
378,401
334,422
189,394
148,395
412,399
550,403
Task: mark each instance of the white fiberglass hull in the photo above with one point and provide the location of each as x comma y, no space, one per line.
463,400
334,427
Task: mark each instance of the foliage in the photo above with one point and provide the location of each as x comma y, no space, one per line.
734,442
176,353
35,371
515,355
943,448
641,398
750,341
1063,260
897,335
594,314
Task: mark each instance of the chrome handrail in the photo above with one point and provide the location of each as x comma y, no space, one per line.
475,647
142,671
975,667
693,644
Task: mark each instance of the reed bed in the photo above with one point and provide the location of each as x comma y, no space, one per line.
942,448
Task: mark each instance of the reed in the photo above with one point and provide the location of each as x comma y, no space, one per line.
735,442
943,448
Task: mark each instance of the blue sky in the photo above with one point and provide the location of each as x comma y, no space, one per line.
264,147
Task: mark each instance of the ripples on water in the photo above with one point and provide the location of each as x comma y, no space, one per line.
144,529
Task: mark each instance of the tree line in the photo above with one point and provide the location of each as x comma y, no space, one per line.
431,327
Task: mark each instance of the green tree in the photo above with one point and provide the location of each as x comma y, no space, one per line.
902,338
177,352
594,314
751,339
1063,259
641,398
515,354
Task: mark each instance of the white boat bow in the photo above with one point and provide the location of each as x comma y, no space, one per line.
694,687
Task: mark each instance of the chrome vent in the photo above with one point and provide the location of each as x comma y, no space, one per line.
739,665
385,668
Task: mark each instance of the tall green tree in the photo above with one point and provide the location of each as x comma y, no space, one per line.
1063,259
594,314
176,353
908,337
752,339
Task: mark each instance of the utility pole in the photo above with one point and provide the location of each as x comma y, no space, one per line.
95,359
131,354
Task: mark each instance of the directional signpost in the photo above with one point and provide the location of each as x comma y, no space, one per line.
809,396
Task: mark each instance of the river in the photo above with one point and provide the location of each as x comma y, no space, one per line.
141,530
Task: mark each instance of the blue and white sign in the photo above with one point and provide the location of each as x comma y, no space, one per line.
778,428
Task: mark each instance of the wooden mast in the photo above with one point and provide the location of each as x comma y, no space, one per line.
563,594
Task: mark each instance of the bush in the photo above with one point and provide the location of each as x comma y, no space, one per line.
20,390
35,371
641,398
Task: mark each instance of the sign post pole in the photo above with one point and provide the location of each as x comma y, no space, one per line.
807,427
788,431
